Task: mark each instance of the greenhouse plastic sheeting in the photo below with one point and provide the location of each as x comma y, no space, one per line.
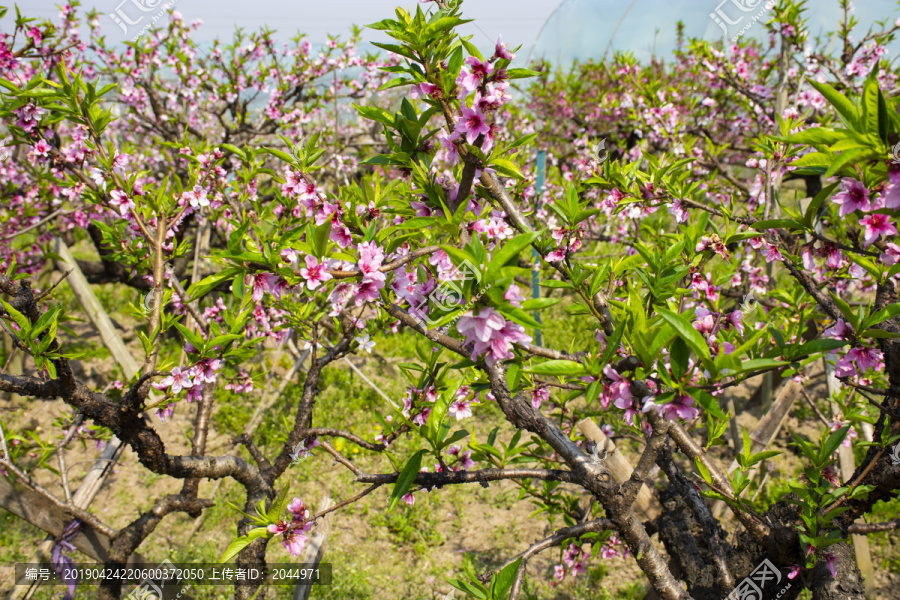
583,29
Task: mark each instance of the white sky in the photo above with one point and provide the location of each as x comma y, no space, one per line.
518,20
581,28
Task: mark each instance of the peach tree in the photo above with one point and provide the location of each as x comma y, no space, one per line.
685,261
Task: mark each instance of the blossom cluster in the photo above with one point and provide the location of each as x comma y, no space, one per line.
490,335
190,380
294,532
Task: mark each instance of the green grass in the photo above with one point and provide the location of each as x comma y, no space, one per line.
412,528
885,543
352,579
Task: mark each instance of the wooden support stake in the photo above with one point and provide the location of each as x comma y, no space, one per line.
85,295
44,514
766,430
316,548
646,503
848,467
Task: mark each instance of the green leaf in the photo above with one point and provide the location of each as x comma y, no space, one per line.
820,345
559,368
278,505
457,435
435,428
821,136
384,25
195,340
846,311
758,364
473,588
879,334
861,491
844,159
776,224
708,402
375,113
869,103
513,375
380,160
284,156
680,356
540,303
840,102
869,265
687,332
813,209
396,82
612,344
456,61
559,285
201,288
234,150
234,548
471,49
888,312
44,322
406,478
396,49
814,162
831,444
507,168
18,317
443,24
702,470
320,239
510,250
521,73
503,581
519,316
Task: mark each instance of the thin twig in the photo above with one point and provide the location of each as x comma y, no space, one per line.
874,527
879,405
30,227
365,492
60,456
812,403
186,301
331,432
42,295
341,459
